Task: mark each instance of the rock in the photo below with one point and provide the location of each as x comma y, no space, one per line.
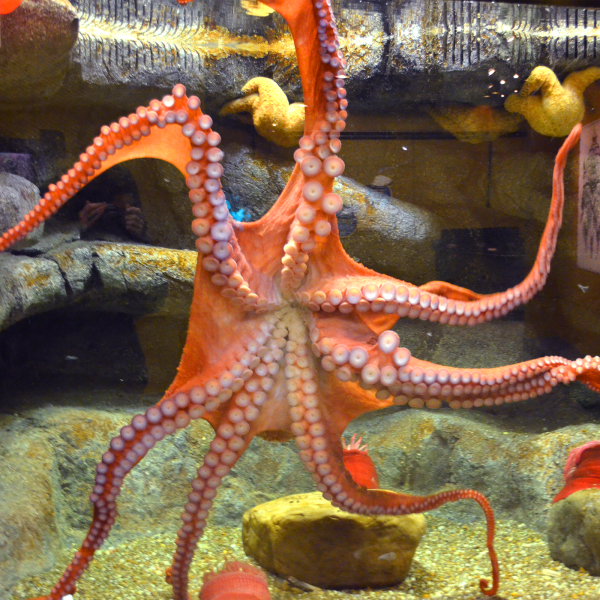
504,453
401,53
305,537
126,278
386,234
35,53
19,196
574,531
28,528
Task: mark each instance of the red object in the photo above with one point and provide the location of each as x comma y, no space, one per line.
7,6
359,464
236,581
582,470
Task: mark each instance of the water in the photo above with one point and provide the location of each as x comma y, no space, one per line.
95,312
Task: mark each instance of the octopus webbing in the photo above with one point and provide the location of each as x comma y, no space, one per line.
288,336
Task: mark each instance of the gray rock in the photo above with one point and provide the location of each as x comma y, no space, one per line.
574,531
386,234
132,279
18,197
29,286
29,534
496,452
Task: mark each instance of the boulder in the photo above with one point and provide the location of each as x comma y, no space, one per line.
37,39
17,197
126,278
574,530
305,537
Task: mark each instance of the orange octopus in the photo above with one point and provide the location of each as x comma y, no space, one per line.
8,6
288,336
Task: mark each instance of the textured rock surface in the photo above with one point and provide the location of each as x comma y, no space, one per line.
499,455
131,279
574,531
35,52
29,532
18,196
303,536
410,51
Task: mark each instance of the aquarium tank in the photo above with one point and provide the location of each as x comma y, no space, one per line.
299,299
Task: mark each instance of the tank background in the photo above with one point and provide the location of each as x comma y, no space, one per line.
52,440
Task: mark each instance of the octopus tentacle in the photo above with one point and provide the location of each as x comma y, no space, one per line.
322,456
176,130
378,362
316,157
438,301
126,450
232,437
203,397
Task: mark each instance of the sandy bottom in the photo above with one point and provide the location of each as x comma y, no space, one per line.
447,566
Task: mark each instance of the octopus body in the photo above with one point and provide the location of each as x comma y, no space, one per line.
288,336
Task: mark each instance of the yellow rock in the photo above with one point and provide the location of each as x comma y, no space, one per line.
304,536
557,108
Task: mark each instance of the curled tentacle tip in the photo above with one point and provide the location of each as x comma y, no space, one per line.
484,586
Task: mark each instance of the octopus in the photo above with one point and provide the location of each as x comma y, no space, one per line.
288,336
8,6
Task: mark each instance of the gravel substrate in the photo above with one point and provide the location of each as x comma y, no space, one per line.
449,562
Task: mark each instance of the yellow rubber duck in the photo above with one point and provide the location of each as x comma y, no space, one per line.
558,108
274,117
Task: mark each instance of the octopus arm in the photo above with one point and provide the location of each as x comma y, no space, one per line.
174,130
364,291
377,362
231,395
318,424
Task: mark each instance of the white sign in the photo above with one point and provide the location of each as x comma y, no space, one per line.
588,221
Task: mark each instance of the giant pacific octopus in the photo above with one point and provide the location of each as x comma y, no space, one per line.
288,336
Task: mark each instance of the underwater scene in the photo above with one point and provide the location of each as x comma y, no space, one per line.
299,299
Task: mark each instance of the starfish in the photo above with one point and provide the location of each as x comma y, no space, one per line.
288,336
558,107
